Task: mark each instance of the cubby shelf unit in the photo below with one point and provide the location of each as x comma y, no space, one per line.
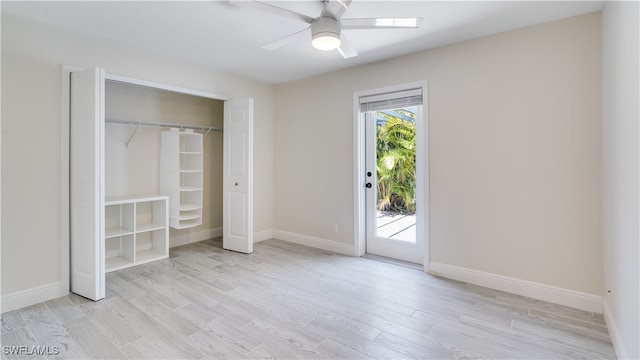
136,230
181,176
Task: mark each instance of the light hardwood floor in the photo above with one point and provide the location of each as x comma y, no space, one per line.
287,301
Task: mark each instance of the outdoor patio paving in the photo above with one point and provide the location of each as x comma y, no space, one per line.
397,226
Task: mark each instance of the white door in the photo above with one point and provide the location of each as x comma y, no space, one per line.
237,234
392,180
87,183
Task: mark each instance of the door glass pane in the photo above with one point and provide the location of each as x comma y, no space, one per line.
396,174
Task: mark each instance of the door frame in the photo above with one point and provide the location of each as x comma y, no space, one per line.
65,218
422,169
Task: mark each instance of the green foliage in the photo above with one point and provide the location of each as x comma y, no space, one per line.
396,164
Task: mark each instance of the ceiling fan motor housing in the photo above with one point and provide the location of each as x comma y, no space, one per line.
325,33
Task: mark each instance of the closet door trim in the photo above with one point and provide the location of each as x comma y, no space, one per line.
165,87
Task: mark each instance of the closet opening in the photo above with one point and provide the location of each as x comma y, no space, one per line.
146,161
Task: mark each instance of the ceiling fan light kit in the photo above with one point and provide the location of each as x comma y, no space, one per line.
325,34
326,28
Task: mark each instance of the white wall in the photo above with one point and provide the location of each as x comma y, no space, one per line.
621,181
31,138
514,153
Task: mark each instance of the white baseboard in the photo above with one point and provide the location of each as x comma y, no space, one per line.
553,294
262,235
614,332
324,244
31,296
195,237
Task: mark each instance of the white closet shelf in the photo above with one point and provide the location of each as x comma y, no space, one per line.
115,200
184,217
189,207
117,263
147,256
115,232
184,224
190,188
190,170
149,227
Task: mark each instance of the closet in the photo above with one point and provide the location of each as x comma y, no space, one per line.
148,162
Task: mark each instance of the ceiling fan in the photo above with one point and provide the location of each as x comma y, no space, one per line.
326,28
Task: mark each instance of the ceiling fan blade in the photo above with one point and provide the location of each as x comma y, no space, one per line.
274,10
381,23
285,40
346,49
336,8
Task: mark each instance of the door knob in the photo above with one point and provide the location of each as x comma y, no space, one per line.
368,185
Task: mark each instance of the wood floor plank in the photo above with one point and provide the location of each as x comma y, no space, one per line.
335,350
112,326
375,301
12,320
50,333
429,349
122,287
408,334
330,317
196,314
246,338
276,348
93,342
258,310
526,343
166,316
353,340
120,306
205,294
302,341
286,301
12,340
162,338
168,296
586,346
64,309
216,347
142,349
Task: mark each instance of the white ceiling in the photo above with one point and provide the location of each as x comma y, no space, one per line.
229,37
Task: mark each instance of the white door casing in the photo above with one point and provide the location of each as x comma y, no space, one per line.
86,181
238,176
422,168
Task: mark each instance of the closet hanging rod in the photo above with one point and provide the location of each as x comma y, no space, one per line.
166,125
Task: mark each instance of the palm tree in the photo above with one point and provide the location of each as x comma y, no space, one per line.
396,162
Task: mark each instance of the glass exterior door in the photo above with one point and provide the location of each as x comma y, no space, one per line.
392,208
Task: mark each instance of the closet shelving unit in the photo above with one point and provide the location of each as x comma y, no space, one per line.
181,176
136,230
